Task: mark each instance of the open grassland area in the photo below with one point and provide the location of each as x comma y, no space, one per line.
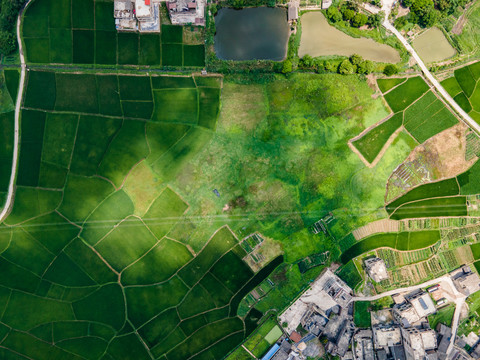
373,141
349,274
443,316
463,87
403,241
117,241
83,32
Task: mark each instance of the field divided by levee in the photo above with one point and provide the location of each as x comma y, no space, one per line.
464,89
414,107
87,251
84,32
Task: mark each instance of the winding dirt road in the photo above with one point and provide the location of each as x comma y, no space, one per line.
11,186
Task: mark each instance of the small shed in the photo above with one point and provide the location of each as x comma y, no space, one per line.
292,11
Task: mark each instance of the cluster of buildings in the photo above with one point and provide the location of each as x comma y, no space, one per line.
144,15
325,313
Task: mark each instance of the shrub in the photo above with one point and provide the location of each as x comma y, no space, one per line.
333,14
359,20
346,68
390,70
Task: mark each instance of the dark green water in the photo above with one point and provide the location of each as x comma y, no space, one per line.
252,33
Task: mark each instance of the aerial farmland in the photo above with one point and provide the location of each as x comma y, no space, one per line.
212,180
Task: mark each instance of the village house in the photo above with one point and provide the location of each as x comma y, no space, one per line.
376,269
466,281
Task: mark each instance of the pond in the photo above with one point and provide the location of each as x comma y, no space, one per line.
251,34
433,46
319,38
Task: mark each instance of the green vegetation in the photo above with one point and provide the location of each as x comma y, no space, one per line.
447,187
428,116
403,95
448,206
373,141
349,274
362,316
442,316
91,38
401,241
387,84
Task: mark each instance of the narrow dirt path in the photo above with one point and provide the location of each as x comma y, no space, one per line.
11,186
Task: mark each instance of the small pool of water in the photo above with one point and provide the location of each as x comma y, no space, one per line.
251,34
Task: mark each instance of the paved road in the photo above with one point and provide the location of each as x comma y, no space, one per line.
11,186
459,301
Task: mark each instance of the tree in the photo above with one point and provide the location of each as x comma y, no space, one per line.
346,68
429,18
287,66
333,14
348,14
8,42
307,61
374,20
356,59
400,22
329,66
359,20
365,67
390,70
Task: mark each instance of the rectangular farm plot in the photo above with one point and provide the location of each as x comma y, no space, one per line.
373,141
193,55
135,88
41,90
149,50
6,148
83,11
83,46
76,93
405,94
108,95
172,55
128,48
61,46
33,125
37,50
103,16
105,47
172,34
452,86
427,117
138,109
175,82
176,106
209,106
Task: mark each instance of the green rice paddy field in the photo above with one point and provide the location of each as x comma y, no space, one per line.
463,88
83,32
420,112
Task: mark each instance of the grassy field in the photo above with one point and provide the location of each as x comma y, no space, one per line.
125,214
443,316
87,35
372,142
449,206
361,315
